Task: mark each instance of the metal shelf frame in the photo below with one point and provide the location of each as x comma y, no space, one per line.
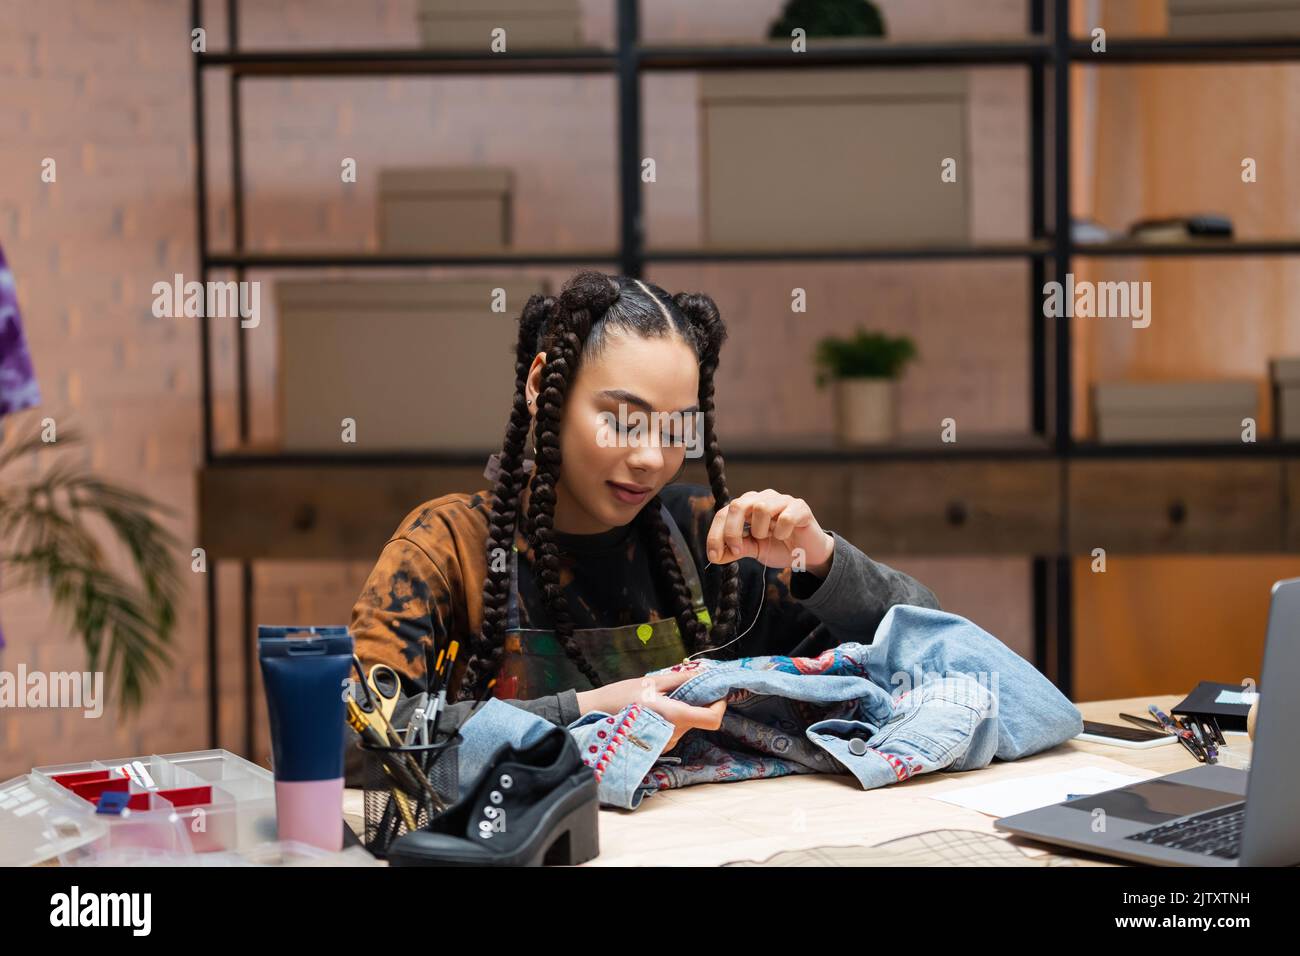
1046,51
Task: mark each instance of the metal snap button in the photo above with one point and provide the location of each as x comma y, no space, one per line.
857,746
506,781
495,796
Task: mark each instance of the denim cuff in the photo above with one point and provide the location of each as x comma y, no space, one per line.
621,748
941,724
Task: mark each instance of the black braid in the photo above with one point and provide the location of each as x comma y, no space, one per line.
487,647
586,297
712,332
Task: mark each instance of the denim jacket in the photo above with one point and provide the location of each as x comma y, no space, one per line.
933,691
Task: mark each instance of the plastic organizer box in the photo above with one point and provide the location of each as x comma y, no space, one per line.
202,801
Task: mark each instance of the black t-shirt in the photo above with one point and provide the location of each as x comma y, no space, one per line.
428,583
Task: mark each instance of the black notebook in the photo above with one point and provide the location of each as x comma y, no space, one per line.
1227,703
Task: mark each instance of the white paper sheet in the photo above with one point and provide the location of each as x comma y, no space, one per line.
1004,798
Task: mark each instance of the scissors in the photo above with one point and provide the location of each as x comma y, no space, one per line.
384,682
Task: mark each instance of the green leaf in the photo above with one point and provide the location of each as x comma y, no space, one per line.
862,355
125,623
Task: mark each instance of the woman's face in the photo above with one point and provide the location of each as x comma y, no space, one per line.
619,440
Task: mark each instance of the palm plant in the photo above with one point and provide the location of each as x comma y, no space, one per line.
45,541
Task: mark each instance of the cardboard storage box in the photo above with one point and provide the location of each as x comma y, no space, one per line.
833,158
445,209
1209,411
1234,18
419,364
529,24
1286,398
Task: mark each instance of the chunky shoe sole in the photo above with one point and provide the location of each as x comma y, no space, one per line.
567,834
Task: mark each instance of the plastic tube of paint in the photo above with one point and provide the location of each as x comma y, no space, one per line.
304,678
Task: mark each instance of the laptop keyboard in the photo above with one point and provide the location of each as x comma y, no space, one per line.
1215,832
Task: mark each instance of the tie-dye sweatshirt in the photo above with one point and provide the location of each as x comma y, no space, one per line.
428,585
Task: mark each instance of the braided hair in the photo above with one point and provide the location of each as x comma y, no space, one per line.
572,328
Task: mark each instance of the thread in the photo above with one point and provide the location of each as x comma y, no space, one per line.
761,596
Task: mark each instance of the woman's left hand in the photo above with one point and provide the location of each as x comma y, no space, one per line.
782,532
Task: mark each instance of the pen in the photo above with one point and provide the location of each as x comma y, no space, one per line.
447,659
1218,731
1211,753
1186,727
1144,722
1160,715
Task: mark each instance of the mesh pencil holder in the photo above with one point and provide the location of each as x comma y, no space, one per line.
384,819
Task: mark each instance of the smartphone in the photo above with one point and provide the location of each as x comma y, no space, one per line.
1121,736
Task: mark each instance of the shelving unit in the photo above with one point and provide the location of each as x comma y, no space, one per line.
297,505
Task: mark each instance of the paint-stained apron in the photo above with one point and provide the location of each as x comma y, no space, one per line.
535,664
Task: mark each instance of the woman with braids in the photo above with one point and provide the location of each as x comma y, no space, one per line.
576,574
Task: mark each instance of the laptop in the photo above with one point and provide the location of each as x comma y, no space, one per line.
1210,815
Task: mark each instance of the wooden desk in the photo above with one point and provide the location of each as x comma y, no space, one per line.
710,824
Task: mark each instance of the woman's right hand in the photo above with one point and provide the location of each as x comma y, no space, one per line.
650,691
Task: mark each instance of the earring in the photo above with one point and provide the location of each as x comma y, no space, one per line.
530,405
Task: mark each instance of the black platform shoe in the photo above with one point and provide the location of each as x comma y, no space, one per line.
531,807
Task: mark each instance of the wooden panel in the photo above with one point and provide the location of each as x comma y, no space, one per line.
1179,505
348,512
971,507
1292,505
337,512
921,507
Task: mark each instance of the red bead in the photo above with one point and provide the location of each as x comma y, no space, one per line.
592,749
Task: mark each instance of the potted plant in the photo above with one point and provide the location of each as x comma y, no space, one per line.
864,369
828,18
